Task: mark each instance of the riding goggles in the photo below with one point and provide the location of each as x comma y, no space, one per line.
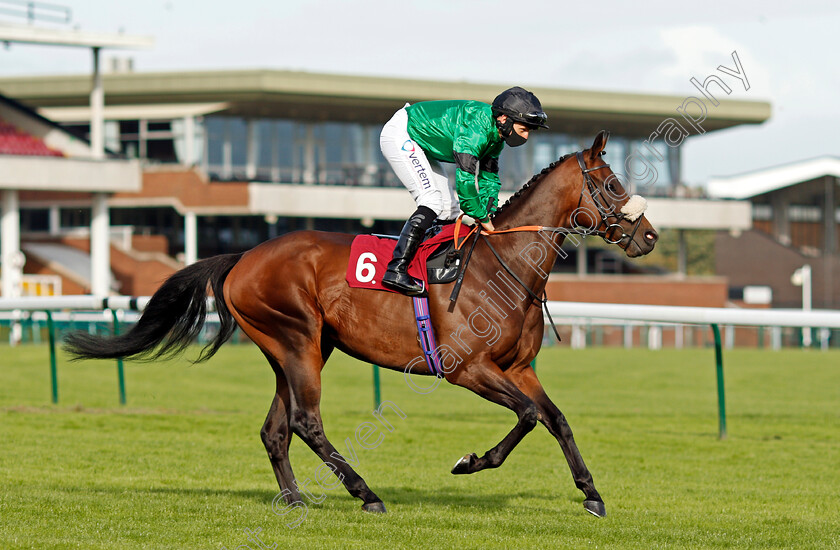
537,119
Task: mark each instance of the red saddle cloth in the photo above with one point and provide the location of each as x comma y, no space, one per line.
369,257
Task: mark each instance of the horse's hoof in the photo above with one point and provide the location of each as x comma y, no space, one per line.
595,507
464,464
374,507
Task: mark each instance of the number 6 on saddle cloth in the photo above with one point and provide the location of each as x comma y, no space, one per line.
437,261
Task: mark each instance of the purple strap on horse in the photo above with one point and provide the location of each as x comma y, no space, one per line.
427,336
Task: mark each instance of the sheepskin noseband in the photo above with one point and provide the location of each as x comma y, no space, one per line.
634,208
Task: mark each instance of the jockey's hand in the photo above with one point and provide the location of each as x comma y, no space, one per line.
488,225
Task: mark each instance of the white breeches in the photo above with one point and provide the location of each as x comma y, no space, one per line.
424,178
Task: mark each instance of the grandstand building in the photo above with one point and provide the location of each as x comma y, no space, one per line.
38,158
232,158
796,222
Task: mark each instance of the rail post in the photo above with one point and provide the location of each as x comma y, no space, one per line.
120,373
53,370
377,397
721,397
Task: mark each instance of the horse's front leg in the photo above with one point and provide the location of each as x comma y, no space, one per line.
486,379
526,380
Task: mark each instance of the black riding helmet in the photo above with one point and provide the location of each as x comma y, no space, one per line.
521,106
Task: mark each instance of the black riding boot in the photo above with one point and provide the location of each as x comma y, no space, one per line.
396,277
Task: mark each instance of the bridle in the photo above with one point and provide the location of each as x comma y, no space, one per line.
606,211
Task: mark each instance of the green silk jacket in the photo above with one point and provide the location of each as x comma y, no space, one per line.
463,132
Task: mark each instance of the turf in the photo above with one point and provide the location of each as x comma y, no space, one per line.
182,465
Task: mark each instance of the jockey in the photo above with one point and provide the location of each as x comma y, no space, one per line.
470,134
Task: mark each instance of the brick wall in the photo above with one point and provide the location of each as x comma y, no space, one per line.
639,289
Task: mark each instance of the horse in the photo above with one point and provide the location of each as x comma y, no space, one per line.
290,297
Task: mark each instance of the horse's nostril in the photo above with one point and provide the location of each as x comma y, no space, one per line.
651,236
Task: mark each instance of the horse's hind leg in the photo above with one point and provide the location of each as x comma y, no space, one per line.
526,380
276,435
486,379
304,375
289,334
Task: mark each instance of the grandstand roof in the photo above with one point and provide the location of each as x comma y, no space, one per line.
14,141
29,112
312,96
29,34
37,154
759,182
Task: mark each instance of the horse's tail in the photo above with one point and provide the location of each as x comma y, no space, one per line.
172,319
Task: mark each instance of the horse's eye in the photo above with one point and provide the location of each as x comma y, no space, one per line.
610,188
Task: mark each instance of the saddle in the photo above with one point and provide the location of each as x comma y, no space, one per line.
443,263
437,261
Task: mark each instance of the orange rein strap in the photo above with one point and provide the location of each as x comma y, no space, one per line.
457,288
515,229
459,223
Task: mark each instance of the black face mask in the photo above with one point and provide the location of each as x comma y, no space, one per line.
509,134
515,140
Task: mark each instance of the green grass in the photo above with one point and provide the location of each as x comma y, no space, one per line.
182,465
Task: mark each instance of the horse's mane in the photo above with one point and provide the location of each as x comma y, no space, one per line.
535,179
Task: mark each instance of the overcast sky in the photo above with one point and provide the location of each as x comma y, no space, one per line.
787,50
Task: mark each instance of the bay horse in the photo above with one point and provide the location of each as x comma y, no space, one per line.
290,296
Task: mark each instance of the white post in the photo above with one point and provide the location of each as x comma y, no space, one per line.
251,150
776,338
55,220
100,246
16,329
143,138
729,333
825,334
581,257
802,277
97,108
578,337
655,337
806,287
227,151
309,155
806,302
190,238
628,336
10,247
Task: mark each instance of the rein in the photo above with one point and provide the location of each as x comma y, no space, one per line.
458,245
605,211
543,300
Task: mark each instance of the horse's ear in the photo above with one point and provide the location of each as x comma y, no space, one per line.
599,144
